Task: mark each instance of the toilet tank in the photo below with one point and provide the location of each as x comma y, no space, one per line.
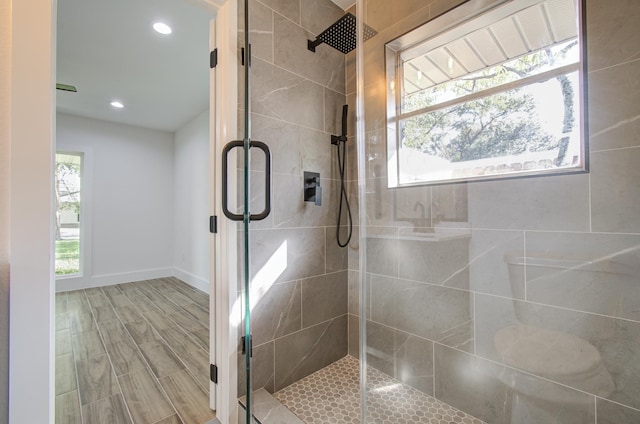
597,285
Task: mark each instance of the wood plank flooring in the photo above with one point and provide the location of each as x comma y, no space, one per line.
135,353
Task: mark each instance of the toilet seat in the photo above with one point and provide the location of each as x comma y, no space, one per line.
558,356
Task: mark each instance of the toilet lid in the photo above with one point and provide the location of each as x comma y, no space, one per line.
546,352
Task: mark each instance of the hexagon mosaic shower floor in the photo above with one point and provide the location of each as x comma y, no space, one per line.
332,395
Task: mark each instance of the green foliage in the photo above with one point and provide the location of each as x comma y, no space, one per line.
67,257
486,127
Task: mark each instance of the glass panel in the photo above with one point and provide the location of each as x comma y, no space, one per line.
459,111
517,130
541,61
247,337
502,301
68,179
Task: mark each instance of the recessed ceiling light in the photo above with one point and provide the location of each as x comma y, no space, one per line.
162,28
117,104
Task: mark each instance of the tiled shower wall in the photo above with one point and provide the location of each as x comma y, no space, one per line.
434,308
299,273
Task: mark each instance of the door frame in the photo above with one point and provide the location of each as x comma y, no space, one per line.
32,64
225,270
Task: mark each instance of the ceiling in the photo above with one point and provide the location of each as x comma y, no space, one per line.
109,51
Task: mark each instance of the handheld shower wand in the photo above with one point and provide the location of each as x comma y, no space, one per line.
341,141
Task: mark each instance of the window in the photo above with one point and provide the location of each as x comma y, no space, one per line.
497,95
68,178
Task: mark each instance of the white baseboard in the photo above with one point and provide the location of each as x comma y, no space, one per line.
65,284
76,283
193,280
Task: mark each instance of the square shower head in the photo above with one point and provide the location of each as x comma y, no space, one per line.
342,35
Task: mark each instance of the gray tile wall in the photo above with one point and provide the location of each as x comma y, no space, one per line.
558,255
299,321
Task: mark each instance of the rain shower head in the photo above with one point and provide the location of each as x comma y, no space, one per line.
341,35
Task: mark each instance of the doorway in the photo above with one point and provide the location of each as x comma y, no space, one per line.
140,109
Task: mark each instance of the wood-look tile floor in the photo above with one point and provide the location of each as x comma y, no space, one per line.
133,353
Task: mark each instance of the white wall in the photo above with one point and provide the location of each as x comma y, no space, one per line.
191,202
32,74
5,104
130,173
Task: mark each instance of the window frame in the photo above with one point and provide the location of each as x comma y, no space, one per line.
477,14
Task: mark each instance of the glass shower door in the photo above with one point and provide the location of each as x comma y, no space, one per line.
248,212
503,300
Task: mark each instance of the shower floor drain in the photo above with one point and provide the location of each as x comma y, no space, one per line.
332,396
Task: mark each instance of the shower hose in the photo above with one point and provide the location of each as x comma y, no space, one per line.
342,159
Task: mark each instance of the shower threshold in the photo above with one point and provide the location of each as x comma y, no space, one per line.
332,396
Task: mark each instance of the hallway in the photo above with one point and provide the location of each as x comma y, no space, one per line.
133,353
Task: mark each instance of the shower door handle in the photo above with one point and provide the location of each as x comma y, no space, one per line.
267,178
225,158
225,193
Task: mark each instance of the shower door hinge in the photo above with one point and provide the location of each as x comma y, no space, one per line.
213,373
213,224
242,56
213,59
244,348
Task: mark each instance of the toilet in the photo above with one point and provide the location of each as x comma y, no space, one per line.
561,357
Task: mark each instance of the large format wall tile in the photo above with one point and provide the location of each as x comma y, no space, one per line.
614,107
585,271
273,90
354,292
436,313
283,140
277,312
290,209
354,336
486,391
287,254
288,8
491,258
437,262
325,66
612,32
293,148
318,15
549,203
382,251
615,198
333,104
260,29
337,257
611,413
406,357
306,351
324,297
261,366
616,377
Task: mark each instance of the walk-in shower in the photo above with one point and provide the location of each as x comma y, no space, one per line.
502,300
